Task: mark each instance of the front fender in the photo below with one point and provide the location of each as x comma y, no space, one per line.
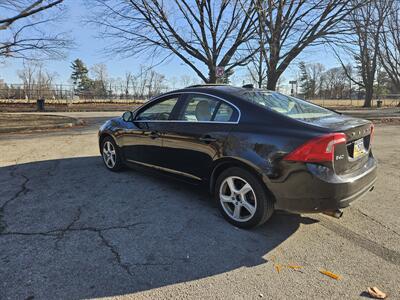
111,128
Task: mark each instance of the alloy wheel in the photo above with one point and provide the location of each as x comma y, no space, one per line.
109,154
238,199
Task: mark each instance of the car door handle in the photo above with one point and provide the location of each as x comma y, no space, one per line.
154,135
207,139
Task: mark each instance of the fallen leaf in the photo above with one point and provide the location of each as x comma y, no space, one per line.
278,267
294,267
376,293
330,274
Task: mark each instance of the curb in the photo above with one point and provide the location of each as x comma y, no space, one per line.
71,122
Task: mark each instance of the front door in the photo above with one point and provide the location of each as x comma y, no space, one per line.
191,143
142,142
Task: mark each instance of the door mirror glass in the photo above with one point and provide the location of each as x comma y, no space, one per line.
127,116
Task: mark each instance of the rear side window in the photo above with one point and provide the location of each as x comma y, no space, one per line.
202,108
224,113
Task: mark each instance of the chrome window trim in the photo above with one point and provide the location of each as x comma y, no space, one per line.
184,121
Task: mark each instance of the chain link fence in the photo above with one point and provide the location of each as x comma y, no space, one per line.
66,94
384,101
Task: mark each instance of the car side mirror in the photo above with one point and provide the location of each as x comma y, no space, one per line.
127,116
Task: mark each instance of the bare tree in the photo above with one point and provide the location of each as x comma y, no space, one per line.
204,34
256,68
27,76
366,24
157,83
141,81
100,76
37,81
127,83
335,83
187,80
22,24
173,82
290,26
390,45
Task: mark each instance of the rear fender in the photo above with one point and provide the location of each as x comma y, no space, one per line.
218,166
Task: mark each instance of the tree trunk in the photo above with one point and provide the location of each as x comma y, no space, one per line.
212,76
272,81
260,69
369,92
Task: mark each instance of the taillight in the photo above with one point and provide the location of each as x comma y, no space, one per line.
320,149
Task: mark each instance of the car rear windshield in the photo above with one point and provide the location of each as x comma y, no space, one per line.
289,106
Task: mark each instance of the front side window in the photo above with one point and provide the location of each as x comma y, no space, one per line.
160,111
202,108
286,105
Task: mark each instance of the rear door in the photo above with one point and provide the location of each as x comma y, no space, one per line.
191,143
142,142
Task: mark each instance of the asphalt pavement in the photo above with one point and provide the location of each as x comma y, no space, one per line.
70,229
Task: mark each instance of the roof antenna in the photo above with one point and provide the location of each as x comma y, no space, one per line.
248,86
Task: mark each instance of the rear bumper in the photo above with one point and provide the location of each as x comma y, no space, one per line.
316,188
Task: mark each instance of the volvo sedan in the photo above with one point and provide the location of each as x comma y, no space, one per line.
257,151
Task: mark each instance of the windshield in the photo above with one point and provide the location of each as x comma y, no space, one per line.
289,106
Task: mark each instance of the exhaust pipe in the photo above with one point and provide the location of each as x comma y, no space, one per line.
334,213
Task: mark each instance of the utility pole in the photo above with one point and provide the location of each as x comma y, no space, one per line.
293,82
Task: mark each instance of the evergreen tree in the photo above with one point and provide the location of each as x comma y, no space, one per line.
80,76
307,83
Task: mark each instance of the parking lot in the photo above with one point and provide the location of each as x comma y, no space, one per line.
71,229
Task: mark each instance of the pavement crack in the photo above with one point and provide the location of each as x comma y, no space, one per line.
53,168
377,222
152,264
21,191
381,251
115,252
57,232
69,226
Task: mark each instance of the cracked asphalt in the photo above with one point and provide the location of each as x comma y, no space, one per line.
70,229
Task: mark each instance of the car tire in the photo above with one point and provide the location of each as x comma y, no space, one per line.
111,154
242,198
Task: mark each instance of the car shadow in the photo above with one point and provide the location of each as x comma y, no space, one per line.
69,228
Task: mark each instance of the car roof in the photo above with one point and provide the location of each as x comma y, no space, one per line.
218,90
236,96
226,89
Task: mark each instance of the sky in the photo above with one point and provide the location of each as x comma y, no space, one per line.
90,49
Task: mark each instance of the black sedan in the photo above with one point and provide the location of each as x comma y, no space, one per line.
257,151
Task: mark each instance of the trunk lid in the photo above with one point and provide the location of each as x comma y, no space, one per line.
354,154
